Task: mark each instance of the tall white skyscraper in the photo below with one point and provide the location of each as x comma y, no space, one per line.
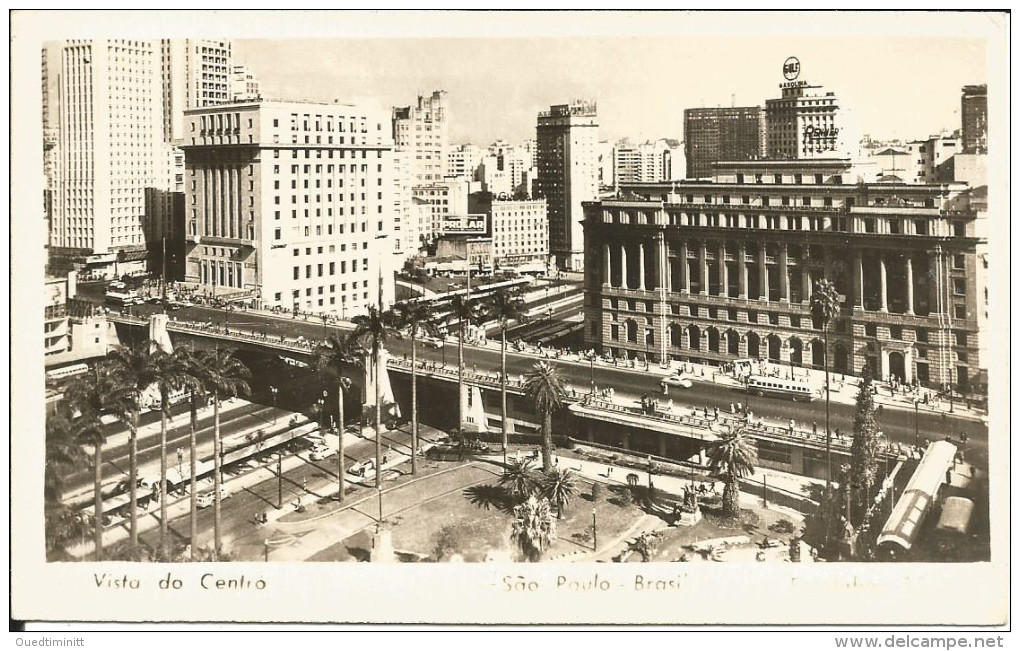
109,139
195,73
423,130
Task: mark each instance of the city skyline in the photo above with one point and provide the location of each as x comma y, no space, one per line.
662,290
928,73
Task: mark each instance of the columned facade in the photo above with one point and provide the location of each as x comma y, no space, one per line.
909,309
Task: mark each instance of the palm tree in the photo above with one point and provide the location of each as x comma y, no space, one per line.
133,364
559,485
730,458
518,479
533,528
224,376
63,452
825,307
462,312
418,318
100,393
372,330
505,305
192,362
170,372
544,388
337,351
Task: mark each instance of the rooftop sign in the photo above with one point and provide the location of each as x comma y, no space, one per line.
791,68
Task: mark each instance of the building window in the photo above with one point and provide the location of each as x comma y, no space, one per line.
870,330
960,311
958,261
960,337
896,332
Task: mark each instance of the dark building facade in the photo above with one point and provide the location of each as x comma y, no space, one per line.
722,134
974,114
713,271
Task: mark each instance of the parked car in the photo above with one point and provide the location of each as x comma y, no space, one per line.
206,499
432,342
320,452
676,380
363,469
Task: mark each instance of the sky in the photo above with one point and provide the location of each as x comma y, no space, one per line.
897,86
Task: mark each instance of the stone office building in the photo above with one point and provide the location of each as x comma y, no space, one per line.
714,271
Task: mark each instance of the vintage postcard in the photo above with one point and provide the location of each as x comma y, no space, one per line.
510,318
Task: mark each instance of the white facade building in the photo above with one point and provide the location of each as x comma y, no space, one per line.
437,200
520,232
806,122
406,240
244,87
290,204
464,161
109,127
195,73
423,130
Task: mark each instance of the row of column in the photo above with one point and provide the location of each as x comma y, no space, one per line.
807,276
222,202
883,275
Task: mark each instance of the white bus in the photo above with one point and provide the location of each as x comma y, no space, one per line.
66,371
761,385
123,298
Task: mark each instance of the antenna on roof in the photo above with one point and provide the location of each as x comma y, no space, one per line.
733,100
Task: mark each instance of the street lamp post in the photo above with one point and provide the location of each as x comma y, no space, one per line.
591,358
265,546
322,412
594,531
648,331
765,490
279,479
273,390
916,437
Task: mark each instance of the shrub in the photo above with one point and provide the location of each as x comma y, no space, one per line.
596,492
445,544
782,526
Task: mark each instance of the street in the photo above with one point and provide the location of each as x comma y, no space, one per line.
897,424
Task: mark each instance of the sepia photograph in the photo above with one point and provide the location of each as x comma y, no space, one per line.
664,299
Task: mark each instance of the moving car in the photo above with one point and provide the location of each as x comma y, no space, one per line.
206,499
320,452
676,380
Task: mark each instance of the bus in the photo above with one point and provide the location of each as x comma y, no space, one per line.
953,528
761,385
123,298
66,372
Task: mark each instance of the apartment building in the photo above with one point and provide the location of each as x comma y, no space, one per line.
567,165
722,134
423,129
289,204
